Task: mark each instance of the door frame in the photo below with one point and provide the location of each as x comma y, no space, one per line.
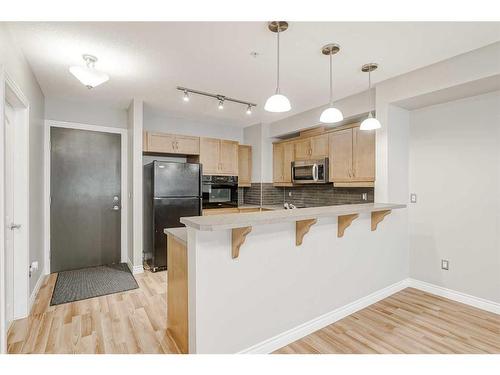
10,91
124,182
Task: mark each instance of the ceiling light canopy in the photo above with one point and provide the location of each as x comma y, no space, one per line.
277,102
331,114
370,123
88,75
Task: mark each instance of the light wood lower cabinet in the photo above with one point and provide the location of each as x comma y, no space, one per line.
352,157
244,166
171,143
219,156
177,294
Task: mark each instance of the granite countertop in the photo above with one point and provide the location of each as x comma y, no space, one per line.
230,221
179,234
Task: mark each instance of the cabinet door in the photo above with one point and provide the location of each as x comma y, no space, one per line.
278,159
319,146
340,144
209,155
288,157
244,165
363,155
303,149
187,145
228,158
160,142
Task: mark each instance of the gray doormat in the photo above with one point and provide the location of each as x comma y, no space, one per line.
92,282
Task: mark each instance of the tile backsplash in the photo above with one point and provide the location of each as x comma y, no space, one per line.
305,195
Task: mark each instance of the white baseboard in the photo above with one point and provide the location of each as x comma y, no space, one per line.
35,291
467,299
135,269
313,325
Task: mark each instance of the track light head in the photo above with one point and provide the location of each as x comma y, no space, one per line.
186,96
221,104
249,110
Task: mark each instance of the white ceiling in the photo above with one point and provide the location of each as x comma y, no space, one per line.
149,59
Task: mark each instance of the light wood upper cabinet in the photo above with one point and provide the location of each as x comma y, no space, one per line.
219,156
187,145
209,155
283,155
303,149
160,142
244,165
319,146
311,148
340,160
352,156
171,143
363,155
229,157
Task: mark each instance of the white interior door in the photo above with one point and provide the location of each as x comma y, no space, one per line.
9,213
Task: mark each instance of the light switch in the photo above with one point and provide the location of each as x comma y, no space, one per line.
445,264
413,198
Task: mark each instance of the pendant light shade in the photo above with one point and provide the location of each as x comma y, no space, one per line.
331,114
88,75
370,123
278,102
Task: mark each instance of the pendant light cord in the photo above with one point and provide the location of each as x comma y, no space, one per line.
331,79
370,89
278,60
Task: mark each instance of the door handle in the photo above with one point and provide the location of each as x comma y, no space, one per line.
13,226
315,172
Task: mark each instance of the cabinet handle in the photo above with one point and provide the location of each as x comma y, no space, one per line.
177,145
173,145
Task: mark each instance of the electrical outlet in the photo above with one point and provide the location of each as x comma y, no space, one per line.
364,196
289,193
413,198
445,264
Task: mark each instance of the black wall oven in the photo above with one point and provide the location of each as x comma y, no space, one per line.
220,191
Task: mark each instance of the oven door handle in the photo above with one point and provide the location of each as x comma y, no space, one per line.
315,171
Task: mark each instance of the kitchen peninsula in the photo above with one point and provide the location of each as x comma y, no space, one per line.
254,282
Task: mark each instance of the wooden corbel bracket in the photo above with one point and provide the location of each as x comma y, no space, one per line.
301,228
378,216
343,223
238,238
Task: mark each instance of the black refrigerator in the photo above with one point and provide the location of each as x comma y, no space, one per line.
171,191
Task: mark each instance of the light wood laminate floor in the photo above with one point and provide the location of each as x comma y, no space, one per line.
129,322
410,321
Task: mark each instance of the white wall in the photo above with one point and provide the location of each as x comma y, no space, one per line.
97,113
18,69
135,128
275,286
252,135
455,172
176,125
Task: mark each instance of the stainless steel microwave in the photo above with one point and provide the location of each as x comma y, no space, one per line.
310,171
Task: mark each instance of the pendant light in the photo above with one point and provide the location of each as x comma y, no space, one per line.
277,102
331,114
88,75
370,123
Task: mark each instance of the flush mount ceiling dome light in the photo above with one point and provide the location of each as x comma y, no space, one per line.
88,75
277,102
331,114
371,122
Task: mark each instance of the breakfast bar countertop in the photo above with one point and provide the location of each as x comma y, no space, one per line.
231,221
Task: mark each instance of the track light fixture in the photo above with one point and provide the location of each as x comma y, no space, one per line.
221,104
221,98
